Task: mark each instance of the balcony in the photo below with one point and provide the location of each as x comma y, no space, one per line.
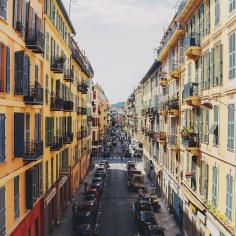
161,137
35,40
84,133
174,32
173,106
186,9
33,151
163,108
175,69
68,138
57,64
191,141
56,143
190,94
163,81
56,103
192,46
68,106
172,142
82,111
35,95
83,88
69,75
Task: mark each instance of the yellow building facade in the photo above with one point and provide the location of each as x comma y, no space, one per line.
43,156
189,117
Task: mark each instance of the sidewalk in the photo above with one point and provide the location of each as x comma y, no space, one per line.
163,216
65,227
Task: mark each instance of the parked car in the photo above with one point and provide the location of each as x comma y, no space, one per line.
130,165
105,162
98,186
154,230
142,204
97,180
145,218
98,175
83,230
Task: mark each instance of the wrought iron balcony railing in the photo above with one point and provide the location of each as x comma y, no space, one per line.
190,90
83,88
56,143
35,40
57,64
33,150
69,75
192,40
56,103
68,106
68,137
81,111
191,140
35,95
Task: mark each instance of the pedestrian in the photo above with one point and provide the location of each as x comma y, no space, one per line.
85,187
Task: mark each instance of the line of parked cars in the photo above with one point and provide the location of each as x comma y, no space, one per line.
87,209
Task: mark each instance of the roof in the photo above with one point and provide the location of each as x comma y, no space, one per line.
64,12
152,69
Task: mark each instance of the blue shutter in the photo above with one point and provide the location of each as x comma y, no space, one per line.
212,68
219,65
15,13
19,62
2,138
8,70
26,76
18,134
23,19
2,211
29,189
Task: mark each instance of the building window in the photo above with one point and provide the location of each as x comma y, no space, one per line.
52,171
216,126
217,12
40,178
231,5
47,46
232,59
230,143
2,211
229,196
16,197
3,9
214,186
46,174
207,18
2,137
4,68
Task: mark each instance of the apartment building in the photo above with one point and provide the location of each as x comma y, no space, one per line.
100,117
190,130
42,160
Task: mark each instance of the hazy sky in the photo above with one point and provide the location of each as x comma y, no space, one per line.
119,37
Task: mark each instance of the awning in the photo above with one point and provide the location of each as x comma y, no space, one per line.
213,129
193,200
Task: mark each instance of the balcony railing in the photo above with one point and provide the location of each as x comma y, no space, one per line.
83,88
192,45
68,106
57,64
35,40
84,133
190,90
68,137
69,75
56,143
35,95
169,34
173,104
33,151
81,111
56,103
191,140
172,140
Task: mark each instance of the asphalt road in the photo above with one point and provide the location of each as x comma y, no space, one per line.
117,218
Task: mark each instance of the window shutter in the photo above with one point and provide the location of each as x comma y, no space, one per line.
212,69
8,70
23,20
232,56
18,134
29,189
19,60
219,61
202,71
2,137
15,13
26,75
36,72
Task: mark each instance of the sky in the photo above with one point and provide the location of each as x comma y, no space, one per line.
119,38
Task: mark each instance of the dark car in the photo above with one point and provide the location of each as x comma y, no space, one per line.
145,218
154,230
142,205
98,186
130,165
90,206
101,170
98,175
97,180
83,230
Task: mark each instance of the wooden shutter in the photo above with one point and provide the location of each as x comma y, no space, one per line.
29,189
36,125
36,72
212,69
19,63
15,13
19,134
219,64
2,137
23,20
8,70
26,75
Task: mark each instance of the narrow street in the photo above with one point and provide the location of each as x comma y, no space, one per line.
116,217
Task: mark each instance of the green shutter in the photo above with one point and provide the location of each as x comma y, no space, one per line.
212,69
219,65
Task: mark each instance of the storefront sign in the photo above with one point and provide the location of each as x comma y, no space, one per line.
62,182
50,196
